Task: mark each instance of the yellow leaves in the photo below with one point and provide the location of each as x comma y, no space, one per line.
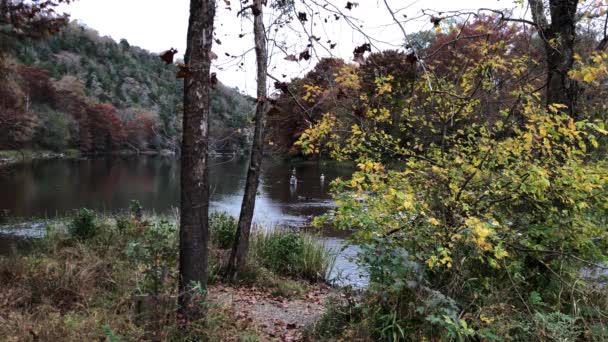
590,77
593,71
378,115
357,180
442,259
550,132
383,115
446,261
370,166
312,92
599,57
385,88
383,85
486,319
556,107
431,261
457,237
500,252
481,233
538,181
599,127
399,199
448,156
437,169
347,77
311,139
408,204
571,125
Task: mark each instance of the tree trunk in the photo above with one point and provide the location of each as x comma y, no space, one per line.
558,40
240,247
560,59
194,232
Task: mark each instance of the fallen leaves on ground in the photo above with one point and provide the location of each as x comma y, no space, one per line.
275,318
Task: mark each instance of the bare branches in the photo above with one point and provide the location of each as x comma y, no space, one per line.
504,17
407,41
502,13
294,97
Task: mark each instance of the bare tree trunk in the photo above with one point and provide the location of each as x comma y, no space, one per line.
558,40
240,247
194,232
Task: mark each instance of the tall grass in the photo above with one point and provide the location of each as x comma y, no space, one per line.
297,254
84,287
83,280
289,253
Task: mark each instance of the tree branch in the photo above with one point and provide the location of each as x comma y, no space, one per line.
538,14
407,41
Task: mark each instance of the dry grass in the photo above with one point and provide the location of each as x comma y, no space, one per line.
69,290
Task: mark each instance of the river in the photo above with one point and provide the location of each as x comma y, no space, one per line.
52,188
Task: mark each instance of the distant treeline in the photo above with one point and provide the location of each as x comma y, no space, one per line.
79,90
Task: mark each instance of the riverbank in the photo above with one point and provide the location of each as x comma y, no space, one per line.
9,157
114,278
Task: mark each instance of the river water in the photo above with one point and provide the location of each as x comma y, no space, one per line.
52,188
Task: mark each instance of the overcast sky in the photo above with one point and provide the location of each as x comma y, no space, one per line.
157,25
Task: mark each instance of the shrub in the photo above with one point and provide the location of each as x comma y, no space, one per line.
124,224
136,210
156,254
293,253
279,251
495,195
223,229
557,326
485,225
341,314
84,224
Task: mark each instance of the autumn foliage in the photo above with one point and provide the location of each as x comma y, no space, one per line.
476,203
30,94
31,100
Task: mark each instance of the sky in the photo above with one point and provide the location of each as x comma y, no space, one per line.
157,25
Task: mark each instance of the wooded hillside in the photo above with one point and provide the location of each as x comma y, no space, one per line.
80,90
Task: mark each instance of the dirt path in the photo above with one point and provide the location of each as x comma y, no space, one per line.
275,319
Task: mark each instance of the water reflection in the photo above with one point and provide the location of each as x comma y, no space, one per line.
55,187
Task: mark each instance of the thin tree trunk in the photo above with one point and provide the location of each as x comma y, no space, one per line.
194,232
240,247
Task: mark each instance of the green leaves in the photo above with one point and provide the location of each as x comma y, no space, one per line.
475,202
499,200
